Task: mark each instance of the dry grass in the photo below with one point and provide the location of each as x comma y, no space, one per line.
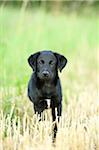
78,128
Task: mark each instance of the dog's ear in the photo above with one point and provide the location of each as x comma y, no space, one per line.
61,61
32,60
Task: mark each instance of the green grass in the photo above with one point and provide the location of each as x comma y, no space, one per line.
76,37
23,33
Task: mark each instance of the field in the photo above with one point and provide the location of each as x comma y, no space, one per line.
77,37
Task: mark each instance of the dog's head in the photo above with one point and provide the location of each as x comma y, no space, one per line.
46,64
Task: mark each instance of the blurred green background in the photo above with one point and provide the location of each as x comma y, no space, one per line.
67,27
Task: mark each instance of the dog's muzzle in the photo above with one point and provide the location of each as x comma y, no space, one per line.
45,74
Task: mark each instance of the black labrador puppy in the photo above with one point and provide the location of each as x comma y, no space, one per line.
45,83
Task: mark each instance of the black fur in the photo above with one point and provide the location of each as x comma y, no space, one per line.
45,83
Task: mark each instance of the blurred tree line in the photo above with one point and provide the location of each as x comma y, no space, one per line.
56,5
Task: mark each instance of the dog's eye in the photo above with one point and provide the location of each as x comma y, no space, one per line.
51,62
41,62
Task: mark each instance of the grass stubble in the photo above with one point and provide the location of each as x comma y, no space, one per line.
78,128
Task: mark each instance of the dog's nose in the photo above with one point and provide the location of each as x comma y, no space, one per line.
45,73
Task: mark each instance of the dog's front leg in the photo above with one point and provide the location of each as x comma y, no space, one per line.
39,108
38,111
59,110
54,122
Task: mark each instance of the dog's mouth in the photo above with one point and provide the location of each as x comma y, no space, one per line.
45,77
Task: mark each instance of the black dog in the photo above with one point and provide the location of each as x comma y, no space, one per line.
45,83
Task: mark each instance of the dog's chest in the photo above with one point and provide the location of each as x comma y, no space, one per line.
48,90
